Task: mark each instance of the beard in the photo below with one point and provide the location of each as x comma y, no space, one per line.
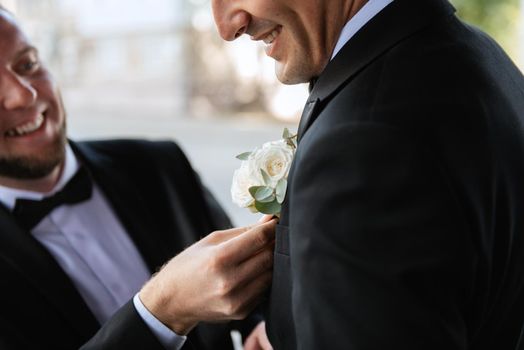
38,165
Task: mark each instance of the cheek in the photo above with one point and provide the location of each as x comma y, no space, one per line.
46,83
308,48
45,87
49,94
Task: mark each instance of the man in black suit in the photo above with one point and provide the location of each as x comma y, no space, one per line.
403,226
83,225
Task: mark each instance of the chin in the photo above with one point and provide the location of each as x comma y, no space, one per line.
291,75
37,164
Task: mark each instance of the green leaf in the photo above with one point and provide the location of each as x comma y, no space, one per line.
286,134
271,208
267,178
268,199
253,190
243,156
281,190
263,193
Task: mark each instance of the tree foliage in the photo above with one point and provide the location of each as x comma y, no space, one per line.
499,18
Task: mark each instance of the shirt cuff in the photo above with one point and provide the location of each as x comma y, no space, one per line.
169,339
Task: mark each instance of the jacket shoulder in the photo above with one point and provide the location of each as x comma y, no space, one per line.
133,148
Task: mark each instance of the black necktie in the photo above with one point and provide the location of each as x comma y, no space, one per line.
28,212
312,83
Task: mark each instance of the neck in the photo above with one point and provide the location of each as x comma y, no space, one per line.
349,9
42,185
354,7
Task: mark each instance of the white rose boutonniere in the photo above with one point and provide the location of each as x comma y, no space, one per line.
261,181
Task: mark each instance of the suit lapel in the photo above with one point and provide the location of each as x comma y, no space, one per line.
123,194
396,22
307,115
34,263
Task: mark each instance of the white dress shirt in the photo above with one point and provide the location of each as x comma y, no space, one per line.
94,250
359,20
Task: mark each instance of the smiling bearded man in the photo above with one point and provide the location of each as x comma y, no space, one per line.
84,225
33,131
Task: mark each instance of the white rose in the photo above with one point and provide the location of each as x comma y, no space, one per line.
245,177
274,158
266,169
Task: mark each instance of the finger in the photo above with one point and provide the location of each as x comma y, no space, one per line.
238,249
258,339
263,339
251,342
225,235
265,218
253,266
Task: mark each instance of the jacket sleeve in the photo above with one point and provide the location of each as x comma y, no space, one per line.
381,257
125,330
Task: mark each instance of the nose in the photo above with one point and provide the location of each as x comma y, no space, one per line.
231,22
16,92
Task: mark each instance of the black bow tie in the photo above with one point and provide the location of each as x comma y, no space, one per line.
28,213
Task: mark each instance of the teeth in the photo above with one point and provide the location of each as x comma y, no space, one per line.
27,128
269,39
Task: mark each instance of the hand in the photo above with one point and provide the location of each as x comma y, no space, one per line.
257,340
221,277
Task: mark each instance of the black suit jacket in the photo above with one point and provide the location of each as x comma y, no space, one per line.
164,208
403,226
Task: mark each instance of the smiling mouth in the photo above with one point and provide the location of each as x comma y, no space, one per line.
270,37
28,127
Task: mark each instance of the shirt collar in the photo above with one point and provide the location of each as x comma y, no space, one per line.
8,196
359,20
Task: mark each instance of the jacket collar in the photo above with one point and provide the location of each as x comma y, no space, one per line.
122,192
401,19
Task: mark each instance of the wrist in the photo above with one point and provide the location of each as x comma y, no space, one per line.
164,309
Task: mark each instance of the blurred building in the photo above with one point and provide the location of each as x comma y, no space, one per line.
115,53
162,58
156,69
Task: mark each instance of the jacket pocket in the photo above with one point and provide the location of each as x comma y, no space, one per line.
282,240
279,316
